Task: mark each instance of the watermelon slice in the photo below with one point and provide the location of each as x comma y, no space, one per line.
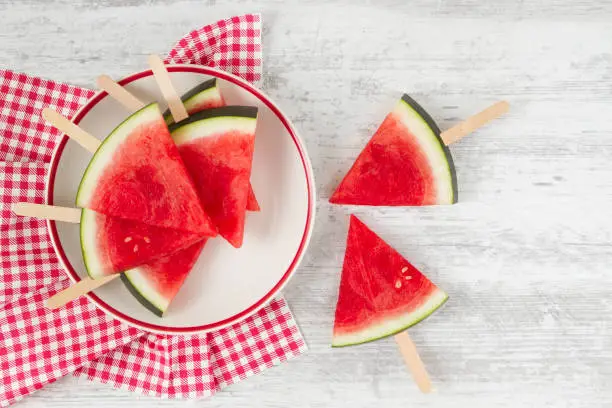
111,245
404,164
137,174
217,148
381,293
207,96
155,284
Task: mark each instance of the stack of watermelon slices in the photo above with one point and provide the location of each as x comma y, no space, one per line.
152,196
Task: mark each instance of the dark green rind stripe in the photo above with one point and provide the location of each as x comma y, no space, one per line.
432,124
419,109
143,300
230,111
204,86
394,332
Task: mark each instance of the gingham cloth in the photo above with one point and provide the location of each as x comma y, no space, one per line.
38,346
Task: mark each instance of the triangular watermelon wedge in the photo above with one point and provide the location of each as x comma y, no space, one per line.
217,148
381,293
155,284
404,164
137,174
111,244
207,95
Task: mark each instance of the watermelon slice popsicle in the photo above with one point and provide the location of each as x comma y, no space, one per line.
103,259
122,181
154,284
216,146
407,161
109,244
381,294
204,96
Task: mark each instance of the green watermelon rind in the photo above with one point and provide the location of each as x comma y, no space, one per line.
206,91
199,89
212,121
139,292
439,297
104,155
87,217
437,143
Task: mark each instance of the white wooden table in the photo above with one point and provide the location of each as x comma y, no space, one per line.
526,254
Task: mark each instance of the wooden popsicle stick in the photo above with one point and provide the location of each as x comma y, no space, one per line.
413,361
80,288
474,122
48,212
165,85
119,93
74,132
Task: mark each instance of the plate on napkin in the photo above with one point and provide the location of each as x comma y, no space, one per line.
226,284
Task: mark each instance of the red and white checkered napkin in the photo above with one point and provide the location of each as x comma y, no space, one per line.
38,346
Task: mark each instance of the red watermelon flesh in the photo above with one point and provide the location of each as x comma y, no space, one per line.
111,245
137,174
155,284
217,148
404,164
207,95
381,293
252,203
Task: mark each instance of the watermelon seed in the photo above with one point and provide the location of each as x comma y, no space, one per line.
128,239
407,277
404,269
398,284
136,248
147,240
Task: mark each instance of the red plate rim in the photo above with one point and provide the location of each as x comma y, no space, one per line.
307,227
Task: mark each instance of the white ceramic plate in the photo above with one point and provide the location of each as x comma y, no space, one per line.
226,284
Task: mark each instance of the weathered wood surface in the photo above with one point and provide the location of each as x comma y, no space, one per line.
526,254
